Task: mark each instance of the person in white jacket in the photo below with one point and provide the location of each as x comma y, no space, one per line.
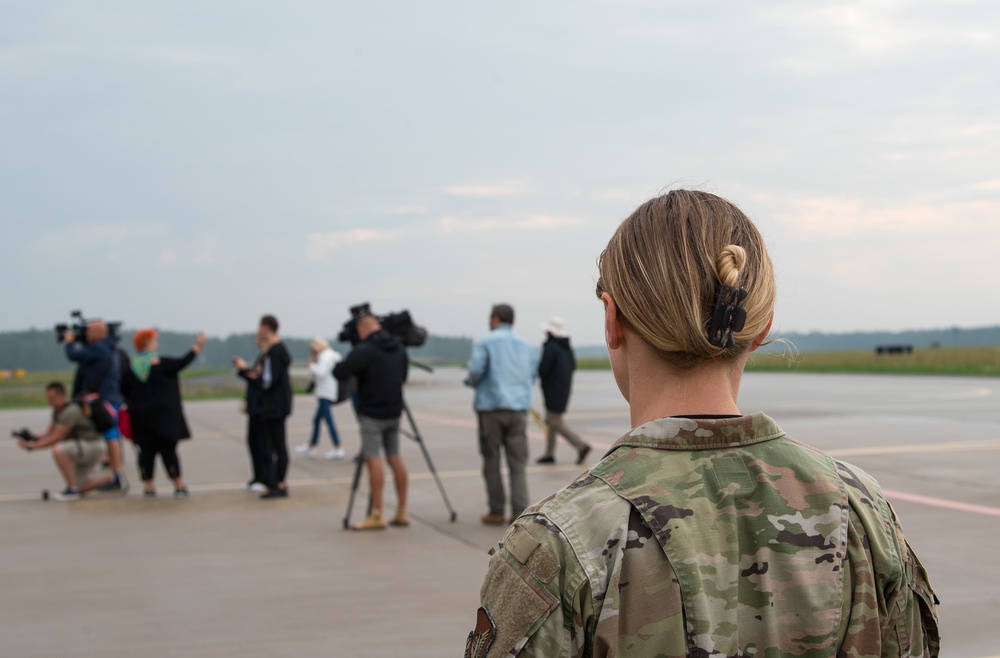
322,358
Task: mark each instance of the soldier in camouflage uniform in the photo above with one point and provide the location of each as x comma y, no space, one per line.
703,532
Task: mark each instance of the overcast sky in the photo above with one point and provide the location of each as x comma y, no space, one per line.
192,165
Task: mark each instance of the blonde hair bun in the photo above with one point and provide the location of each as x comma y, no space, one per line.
729,265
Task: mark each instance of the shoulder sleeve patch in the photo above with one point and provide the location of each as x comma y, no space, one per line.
481,638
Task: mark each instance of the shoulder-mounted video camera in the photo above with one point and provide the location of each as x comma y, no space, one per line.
398,324
79,328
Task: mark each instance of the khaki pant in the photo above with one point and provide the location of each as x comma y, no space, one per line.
556,425
504,429
85,455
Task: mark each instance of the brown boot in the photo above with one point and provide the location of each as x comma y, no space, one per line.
402,518
373,522
492,519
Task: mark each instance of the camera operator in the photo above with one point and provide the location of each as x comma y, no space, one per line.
99,371
379,363
76,444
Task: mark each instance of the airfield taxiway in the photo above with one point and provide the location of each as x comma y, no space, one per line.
226,574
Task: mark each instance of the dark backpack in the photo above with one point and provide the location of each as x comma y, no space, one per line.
100,412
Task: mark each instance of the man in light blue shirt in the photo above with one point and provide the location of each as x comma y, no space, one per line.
502,370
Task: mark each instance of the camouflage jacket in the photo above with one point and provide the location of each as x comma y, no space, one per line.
708,538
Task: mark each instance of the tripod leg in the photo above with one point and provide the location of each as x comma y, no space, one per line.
358,463
427,457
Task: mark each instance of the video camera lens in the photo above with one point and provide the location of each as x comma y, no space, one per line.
79,332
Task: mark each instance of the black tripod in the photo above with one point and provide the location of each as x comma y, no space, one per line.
414,434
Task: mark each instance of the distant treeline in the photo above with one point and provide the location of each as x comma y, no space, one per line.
869,340
36,349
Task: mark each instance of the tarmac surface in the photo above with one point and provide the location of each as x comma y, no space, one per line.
226,574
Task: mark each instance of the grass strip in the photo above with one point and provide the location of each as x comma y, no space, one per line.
196,384
981,361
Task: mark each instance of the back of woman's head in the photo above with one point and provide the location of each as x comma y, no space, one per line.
142,339
664,267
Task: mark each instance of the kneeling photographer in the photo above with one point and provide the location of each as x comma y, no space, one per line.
77,446
379,363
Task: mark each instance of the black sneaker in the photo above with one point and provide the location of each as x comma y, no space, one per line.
68,494
548,459
181,493
582,455
119,483
149,494
275,493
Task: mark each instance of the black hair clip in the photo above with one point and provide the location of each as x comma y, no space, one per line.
728,316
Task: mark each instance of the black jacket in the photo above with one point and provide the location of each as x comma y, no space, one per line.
379,363
555,370
98,369
154,405
270,398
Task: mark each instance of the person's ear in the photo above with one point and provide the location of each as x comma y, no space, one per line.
614,330
759,340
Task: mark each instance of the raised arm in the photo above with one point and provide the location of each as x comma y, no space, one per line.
172,366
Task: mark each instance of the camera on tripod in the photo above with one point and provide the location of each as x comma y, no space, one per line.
398,324
409,334
79,328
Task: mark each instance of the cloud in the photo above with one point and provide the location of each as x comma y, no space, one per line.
111,240
859,31
489,190
168,258
34,61
189,55
319,245
239,69
828,217
619,195
980,130
408,209
206,251
986,185
532,223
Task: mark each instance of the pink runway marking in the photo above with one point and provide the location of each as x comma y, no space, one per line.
897,495
469,424
940,502
442,420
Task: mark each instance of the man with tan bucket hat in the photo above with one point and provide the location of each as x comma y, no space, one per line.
555,370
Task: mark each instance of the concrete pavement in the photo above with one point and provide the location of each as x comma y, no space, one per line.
226,574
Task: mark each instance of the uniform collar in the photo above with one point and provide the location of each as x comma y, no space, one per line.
701,433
